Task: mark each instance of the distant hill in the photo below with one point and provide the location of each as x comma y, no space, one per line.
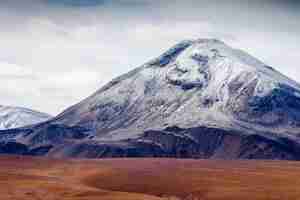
16,117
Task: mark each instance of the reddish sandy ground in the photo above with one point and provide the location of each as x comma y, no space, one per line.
147,179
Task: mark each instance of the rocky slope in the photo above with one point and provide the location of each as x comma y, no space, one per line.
201,99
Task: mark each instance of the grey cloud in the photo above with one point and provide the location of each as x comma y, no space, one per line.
76,2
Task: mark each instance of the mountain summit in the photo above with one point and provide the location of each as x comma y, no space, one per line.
200,99
195,83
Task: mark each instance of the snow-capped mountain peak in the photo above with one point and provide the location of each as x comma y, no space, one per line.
15,117
200,99
210,59
197,82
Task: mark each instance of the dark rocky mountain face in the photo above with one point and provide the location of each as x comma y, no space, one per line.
201,99
172,142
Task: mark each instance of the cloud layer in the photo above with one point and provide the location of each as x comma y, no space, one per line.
54,53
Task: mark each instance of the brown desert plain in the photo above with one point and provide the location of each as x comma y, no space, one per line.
28,178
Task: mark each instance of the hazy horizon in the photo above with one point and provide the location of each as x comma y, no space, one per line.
55,53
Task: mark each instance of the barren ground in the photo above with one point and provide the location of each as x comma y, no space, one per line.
27,178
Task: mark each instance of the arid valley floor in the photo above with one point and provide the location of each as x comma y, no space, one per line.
27,178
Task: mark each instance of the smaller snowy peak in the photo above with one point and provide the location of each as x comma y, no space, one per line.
16,117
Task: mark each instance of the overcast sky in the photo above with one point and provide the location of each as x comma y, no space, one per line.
53,53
